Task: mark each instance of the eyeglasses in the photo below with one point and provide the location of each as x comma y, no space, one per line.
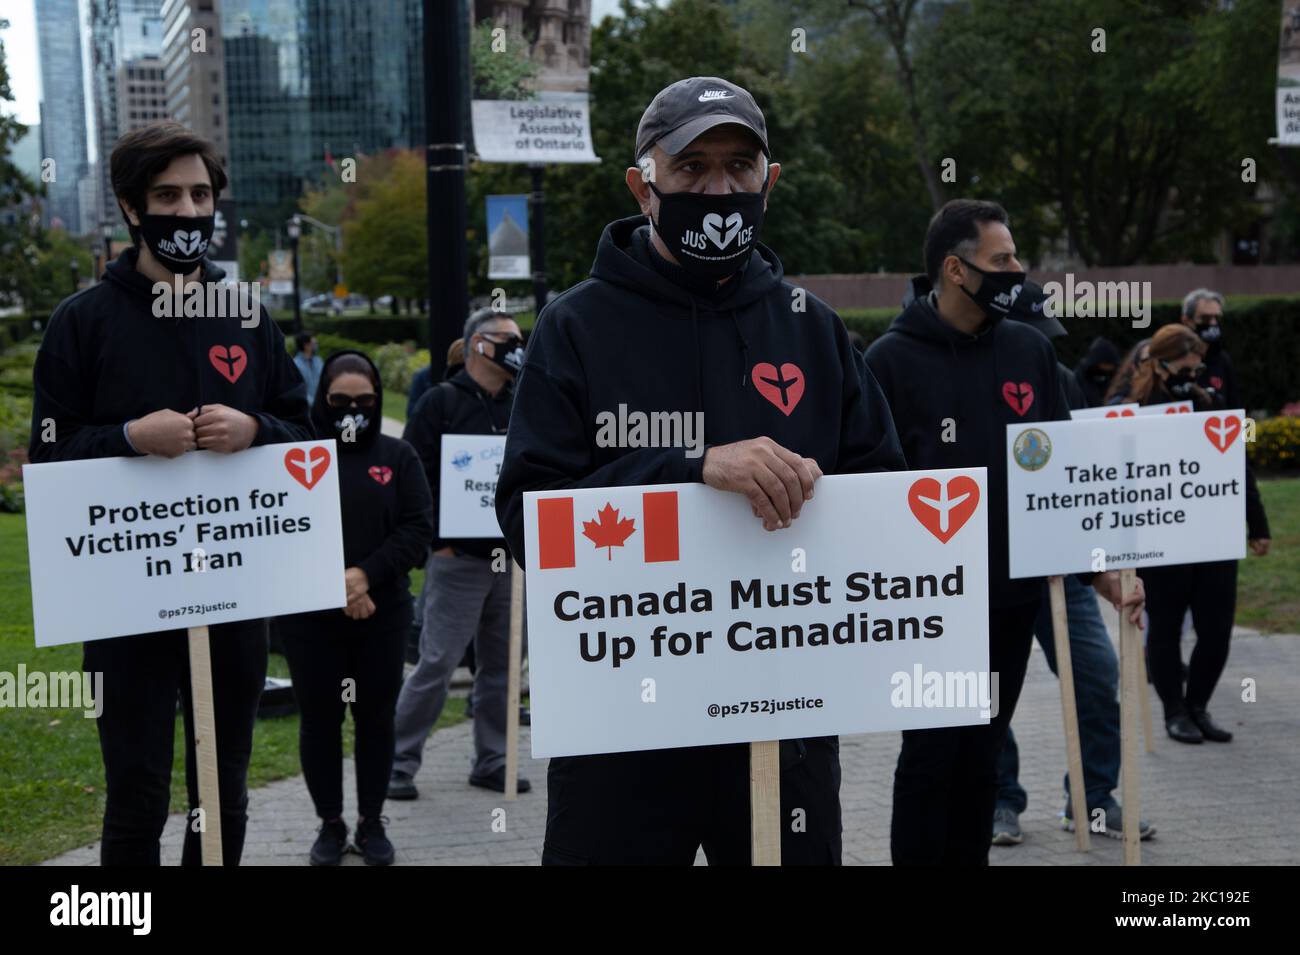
338,401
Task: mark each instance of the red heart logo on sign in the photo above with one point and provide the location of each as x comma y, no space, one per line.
1222,432
783,388
307,465
381,473
229,362
1018,396
943,510
1126,413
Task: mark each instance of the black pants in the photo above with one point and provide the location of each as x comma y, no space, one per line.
945,784
657,807
1210,590
324,649
143,676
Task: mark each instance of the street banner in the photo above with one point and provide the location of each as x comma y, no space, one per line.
554,128
507,225
1288,75
1127,410
1128,492
123,546
664,615
467,485
280,271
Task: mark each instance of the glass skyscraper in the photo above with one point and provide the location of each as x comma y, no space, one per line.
309,77
63,109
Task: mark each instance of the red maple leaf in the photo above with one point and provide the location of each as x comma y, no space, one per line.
607,530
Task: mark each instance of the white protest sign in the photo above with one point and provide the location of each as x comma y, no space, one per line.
122,546
554,129
1105,411
664,615
467,485
1170,407
1134,492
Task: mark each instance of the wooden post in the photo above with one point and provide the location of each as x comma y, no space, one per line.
1144,693
1130,652
765,803
205,745
513,680
1070,713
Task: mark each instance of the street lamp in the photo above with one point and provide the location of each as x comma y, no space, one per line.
294,229
75,269
106,230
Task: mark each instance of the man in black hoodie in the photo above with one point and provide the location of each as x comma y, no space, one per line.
956,375
466,581
114,380
686,311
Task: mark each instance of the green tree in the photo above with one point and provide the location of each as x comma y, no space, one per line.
385,245
500,64
20,239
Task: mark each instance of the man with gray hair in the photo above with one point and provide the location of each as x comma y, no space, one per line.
466,597
1203,314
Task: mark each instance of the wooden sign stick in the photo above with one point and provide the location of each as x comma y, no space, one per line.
205,744
1144,694
513,680
1130,652
1069,712
765,803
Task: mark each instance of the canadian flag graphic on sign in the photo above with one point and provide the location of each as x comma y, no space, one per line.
649,537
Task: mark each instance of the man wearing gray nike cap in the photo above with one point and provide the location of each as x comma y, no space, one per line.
687,312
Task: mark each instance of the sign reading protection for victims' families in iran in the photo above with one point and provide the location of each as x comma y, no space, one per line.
1134,492
664,615
471,464
123,546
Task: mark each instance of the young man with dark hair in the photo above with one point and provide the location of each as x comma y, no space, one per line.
956,375
112,379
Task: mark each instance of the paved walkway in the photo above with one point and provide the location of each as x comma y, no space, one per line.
1212,804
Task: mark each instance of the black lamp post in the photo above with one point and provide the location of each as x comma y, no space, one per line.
295,230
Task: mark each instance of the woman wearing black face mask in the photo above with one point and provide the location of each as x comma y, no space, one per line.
1167,373
387,526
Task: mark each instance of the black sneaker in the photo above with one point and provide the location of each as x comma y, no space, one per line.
497,782
329,845
1182,729
372,843
1209,729
402,786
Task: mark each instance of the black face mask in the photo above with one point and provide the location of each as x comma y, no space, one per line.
1212,335
997,292
509,355
1180,382
178,242
710,236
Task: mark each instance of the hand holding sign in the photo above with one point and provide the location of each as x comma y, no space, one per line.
774,480
1108,585
166,433
223,429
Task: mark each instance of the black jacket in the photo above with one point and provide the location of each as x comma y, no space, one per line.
458,405
383,496
1101,351
635,334
931,372
106,359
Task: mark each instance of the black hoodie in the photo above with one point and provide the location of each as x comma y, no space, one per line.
458,405
106,359
385,503
632,335
1101,351
931,372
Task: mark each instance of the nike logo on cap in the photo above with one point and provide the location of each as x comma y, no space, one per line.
708,95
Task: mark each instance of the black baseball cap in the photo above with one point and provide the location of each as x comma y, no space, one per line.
681,112
1034,307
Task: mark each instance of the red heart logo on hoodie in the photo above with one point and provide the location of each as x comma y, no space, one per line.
307,465
229,361
1222,432
943,510
783,388
381,473
1018,396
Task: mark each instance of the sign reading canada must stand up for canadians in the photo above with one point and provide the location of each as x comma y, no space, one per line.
1137,492
122,546
467,486
664,615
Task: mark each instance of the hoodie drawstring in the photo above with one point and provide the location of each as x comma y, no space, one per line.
744,349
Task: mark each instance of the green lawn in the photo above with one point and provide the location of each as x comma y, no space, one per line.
51,775
1268,589
395,405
